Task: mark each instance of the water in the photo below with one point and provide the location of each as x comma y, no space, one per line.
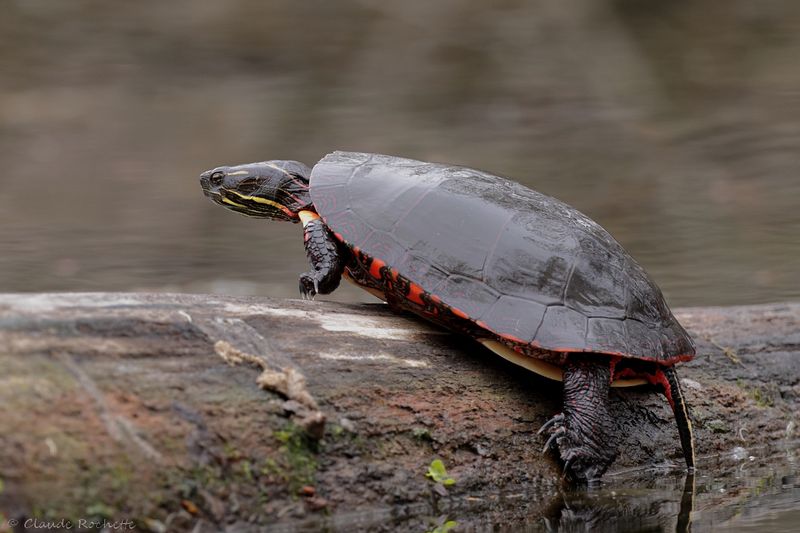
754,491
676,126
682,141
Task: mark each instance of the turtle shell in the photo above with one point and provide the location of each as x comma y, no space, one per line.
521,264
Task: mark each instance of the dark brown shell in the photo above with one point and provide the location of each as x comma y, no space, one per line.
526,266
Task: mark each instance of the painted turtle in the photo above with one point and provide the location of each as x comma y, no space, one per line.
530,277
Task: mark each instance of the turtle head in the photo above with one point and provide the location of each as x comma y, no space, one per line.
276,190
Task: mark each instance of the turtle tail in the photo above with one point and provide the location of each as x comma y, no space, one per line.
672,390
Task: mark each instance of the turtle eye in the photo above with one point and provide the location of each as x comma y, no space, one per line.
216,178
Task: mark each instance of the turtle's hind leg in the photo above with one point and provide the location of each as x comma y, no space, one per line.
582,433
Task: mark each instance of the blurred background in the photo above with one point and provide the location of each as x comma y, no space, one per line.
676,125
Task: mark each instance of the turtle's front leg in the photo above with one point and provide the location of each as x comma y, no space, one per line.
582,433
325,258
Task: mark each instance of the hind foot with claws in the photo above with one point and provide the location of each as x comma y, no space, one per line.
584,458
582,434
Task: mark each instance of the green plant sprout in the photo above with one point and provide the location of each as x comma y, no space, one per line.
445,527
438,473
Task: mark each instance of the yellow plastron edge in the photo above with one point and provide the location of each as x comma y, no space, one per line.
543,368
307,216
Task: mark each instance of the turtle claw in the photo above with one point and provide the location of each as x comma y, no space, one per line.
558,419
582,459
557,430
553,438
567,464
309,286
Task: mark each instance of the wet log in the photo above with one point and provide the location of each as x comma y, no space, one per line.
196,411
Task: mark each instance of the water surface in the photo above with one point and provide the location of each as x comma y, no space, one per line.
739,491
680,140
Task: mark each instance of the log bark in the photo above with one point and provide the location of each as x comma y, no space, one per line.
198,411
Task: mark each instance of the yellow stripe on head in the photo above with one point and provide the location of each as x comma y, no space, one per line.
231,202
259,200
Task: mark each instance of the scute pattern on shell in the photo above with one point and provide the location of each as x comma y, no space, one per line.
520,263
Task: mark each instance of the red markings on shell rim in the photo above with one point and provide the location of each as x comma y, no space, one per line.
511,338
375,268
459,313
419,296
415,293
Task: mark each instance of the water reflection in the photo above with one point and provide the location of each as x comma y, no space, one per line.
720,497
641,509
758,495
